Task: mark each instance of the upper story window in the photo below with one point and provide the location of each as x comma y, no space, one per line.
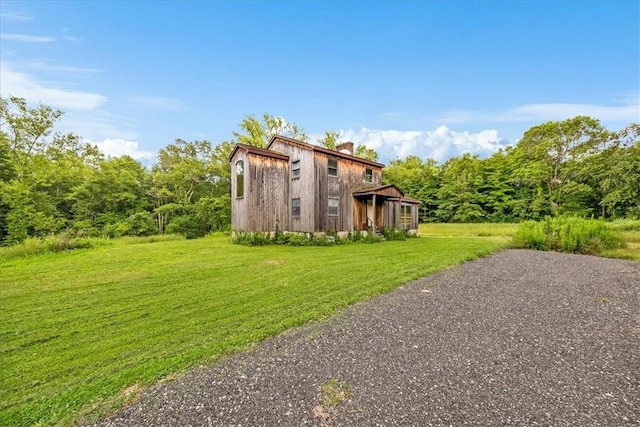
332,167
368,175
240,178
295,169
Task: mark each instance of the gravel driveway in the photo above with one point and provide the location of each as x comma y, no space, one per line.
516,338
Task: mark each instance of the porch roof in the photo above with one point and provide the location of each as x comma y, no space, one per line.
389,191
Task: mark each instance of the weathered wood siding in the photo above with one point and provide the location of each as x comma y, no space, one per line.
351,174
302,188
391,213
267,190
238,205
414,216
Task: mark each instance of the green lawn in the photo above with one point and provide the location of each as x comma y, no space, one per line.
81,331
500,231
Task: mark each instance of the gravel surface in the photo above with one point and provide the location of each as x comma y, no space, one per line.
516,338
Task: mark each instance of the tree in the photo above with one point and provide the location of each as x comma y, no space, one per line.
416,179
258,133
614,174
182,176
115,191
40,171
365,152
551,155
459,196
330,139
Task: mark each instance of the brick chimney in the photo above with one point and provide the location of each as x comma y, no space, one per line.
345,147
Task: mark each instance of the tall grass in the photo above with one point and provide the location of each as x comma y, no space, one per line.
64,242
568,234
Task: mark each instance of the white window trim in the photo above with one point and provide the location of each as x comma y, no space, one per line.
337,206
295,169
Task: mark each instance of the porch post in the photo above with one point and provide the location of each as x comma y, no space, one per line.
373,228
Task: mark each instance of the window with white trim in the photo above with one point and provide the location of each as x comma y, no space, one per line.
332,167
368,175
295,169
240,179
334,202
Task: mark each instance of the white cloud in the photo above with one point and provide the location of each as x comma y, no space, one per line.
46,66
16,16
439,144
119,147
27,38
98,125
629,111
23,85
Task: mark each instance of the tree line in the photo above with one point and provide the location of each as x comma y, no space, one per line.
574,167
59,184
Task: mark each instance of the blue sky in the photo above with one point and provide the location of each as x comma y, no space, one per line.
433,79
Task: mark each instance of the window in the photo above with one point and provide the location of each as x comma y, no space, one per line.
333,206
368,175
240,178
332,167
295,207
405,215
295,169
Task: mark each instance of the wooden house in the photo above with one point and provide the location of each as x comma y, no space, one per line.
299,187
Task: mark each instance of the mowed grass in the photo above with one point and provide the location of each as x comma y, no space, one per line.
83,331
502,231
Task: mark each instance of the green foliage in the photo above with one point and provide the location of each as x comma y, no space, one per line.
49,244
568,234
395,234
55,183
258,133
190,226
330,139
80,327
365,152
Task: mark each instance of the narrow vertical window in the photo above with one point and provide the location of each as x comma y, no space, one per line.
295,169
333,206
368,175
295,207
332,167
240,178
405,215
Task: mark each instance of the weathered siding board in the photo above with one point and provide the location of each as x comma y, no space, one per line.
302,188
351,175
414,217
239,206
267,189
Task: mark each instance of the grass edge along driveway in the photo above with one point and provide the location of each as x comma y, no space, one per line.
84,331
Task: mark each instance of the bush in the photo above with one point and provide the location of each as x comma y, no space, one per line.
260,238
395,233
141,224
190,226
49,244
568,234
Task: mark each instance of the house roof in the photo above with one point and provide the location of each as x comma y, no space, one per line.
411,200
389,190
258,151
324,150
